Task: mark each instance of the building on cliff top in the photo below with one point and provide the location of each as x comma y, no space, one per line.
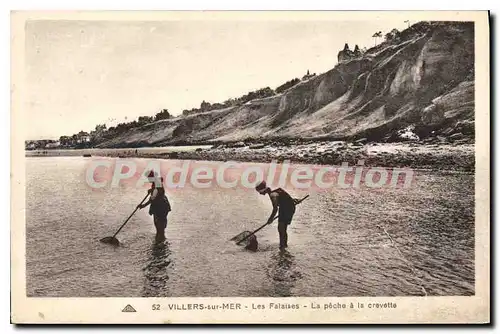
308,75
346,54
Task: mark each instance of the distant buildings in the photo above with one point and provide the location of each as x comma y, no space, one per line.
41,144
307,76
81,139
54,144
30,146
66,140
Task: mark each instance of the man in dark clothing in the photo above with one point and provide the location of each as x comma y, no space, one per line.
283,202
159,205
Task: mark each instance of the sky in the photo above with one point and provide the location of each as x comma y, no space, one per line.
83,73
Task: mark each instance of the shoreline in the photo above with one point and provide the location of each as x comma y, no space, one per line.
436,157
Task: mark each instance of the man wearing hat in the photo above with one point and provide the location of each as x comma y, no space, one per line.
160,206
283,202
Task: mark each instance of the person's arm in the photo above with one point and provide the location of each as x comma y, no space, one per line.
274,201
142,206
153,193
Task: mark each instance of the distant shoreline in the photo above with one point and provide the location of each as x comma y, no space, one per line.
447,156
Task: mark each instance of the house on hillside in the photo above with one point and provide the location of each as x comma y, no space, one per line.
308,76
54,144
30,146
346,54
82,137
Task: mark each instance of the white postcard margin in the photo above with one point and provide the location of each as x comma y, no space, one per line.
450,309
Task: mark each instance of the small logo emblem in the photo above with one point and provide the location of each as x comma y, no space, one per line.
129,308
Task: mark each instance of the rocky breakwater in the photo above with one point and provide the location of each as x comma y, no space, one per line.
440,154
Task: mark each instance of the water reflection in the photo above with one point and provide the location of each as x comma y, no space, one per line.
156,270
432,222
282,273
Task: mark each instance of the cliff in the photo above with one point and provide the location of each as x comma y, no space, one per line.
423,81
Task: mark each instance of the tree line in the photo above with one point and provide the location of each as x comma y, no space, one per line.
102,132
257,94
395,35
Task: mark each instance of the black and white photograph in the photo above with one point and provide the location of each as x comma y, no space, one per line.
256,158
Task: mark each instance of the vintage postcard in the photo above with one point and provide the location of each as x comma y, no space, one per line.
250,167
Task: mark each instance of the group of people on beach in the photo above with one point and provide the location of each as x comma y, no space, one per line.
159,207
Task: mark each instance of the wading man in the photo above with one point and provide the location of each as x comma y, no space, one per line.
159,205
283,202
